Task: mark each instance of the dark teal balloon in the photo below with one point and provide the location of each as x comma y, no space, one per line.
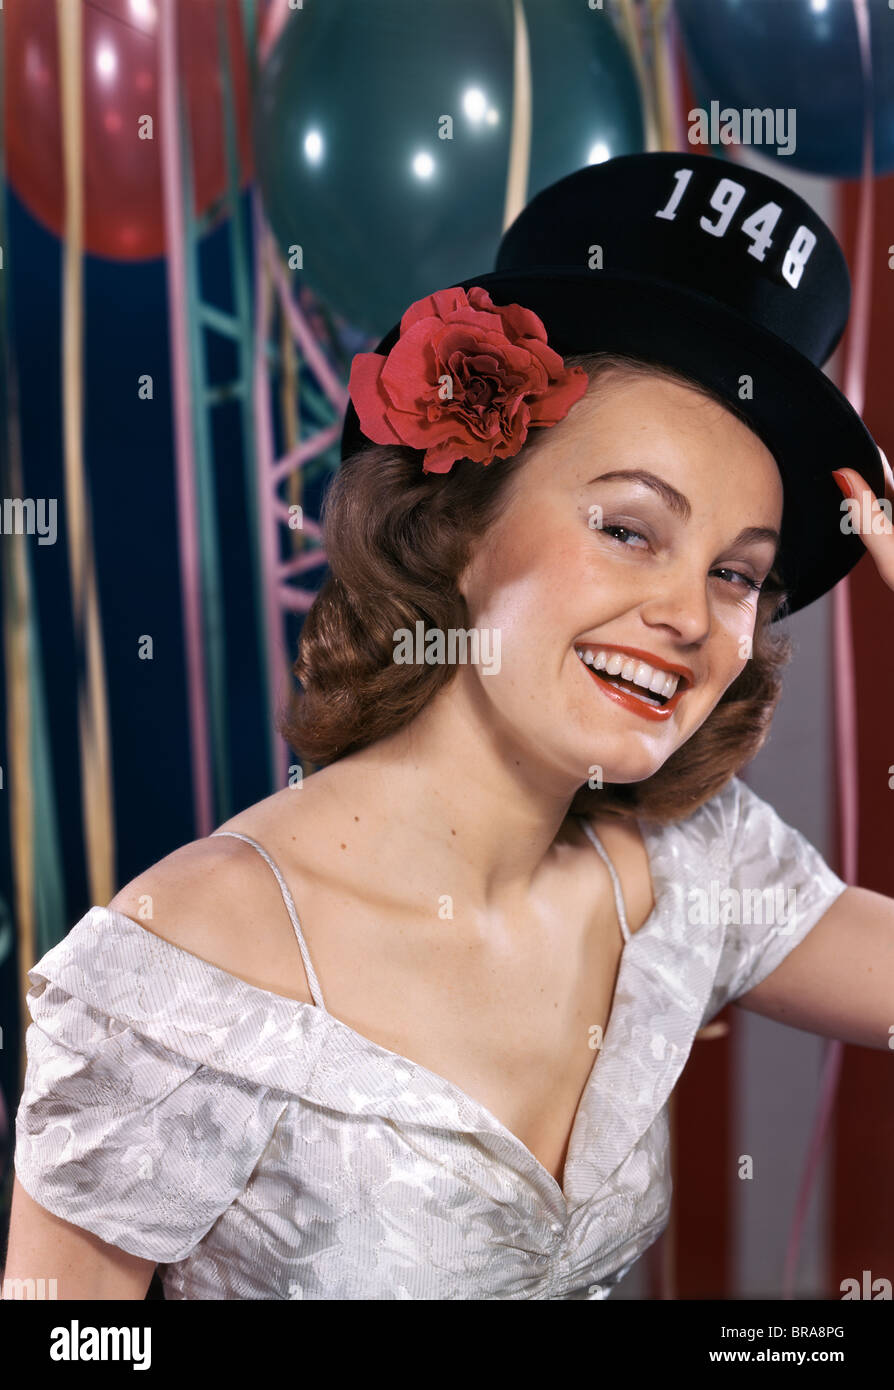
799,54
347,147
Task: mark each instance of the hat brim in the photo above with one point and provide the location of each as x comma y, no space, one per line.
808,425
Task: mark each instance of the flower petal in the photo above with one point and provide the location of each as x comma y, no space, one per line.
370,401
552,407
504,376
433,306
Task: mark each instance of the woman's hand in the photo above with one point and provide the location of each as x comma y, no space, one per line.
869,518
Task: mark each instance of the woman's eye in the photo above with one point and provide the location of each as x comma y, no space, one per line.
626,530
737,574
737,578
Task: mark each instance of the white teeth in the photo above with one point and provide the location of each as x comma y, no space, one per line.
651,678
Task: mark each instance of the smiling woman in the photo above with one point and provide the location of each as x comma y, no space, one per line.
398,543
409,1029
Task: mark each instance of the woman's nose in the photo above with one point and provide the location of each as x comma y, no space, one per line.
680,601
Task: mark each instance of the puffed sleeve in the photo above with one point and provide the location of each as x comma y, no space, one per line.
781,887
122,1136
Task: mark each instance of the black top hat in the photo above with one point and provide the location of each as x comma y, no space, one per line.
721,272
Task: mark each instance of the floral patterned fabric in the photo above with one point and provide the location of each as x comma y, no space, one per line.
256,1147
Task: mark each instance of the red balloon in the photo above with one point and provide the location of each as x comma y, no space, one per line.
123,205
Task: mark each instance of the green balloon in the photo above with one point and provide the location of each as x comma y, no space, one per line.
383,128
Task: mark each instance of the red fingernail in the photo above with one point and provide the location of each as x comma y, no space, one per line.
844,483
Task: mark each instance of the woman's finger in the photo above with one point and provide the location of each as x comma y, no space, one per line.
889,476
869,517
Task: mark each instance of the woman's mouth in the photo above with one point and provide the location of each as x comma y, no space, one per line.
635,684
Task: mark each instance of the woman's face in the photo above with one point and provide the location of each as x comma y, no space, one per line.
558,576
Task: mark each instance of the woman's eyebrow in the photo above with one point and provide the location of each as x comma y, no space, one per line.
679,503
749,534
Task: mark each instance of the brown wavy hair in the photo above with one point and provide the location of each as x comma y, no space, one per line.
396,542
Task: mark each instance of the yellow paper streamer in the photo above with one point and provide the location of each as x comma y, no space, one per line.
93,727
519,165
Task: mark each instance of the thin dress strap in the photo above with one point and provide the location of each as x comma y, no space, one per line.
616,882
315,991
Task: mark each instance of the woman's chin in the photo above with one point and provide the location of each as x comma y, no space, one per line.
623,764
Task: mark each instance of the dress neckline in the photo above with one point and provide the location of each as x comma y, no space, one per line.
271,1039
558,1190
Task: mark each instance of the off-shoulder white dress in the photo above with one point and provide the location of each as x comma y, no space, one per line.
258,1148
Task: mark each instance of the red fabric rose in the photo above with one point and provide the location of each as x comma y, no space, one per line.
504,378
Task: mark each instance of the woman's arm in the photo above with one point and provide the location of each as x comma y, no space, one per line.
43,1246
838,981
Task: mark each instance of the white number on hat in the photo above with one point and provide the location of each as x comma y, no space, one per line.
758,225
800,247
726,198
670,208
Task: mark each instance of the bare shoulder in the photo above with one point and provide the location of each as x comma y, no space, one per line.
624,845
199,887
218,899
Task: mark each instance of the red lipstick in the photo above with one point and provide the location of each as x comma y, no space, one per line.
657,713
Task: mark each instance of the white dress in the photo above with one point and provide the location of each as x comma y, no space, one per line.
256,1147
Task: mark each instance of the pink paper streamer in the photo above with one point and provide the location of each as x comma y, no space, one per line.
280,597
277,672
305,451
306,560
187,510
274,21
301,332
282,513
295,600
